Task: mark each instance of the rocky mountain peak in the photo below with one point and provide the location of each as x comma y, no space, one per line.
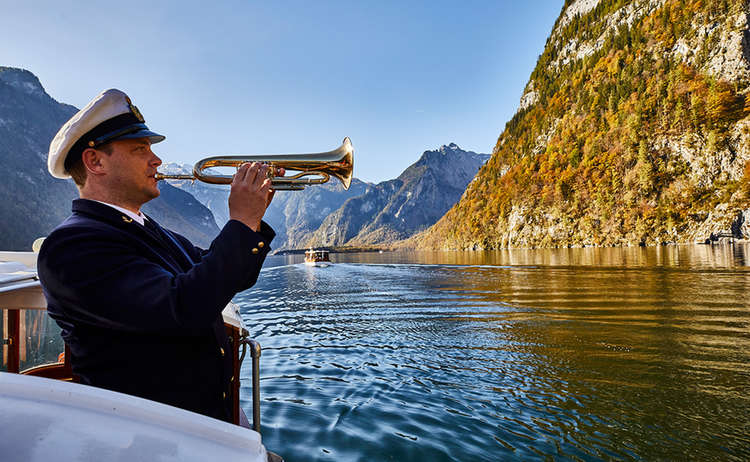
174,168
451,147
448,152
576,8
22,80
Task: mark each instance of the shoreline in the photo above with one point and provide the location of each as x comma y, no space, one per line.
334,249
391,248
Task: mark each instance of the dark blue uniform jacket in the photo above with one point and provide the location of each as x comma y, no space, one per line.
140,307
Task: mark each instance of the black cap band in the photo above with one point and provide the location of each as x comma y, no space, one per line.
104,132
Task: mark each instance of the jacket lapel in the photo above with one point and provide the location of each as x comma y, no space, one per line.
170,242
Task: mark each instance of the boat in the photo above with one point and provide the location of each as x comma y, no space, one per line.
48,416
317,258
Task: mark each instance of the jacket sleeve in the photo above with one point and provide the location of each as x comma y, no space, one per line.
101,279
266,235
262,244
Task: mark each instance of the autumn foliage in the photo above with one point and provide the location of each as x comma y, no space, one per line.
618,147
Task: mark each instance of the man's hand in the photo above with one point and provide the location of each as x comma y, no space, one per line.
278,172
250,194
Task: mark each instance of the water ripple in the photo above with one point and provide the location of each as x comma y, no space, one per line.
403,361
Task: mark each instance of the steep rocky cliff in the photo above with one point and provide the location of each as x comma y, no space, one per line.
396,209
180,211
33,202
633,129
292,214
366,214
296,214
212,196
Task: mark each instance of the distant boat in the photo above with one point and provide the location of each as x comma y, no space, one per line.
317,258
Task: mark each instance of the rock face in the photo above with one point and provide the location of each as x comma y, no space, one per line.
297,214
397,209
213,197
33,201
633,129
366,214
292,214
180,211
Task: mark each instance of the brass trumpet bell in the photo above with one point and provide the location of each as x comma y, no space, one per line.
338,163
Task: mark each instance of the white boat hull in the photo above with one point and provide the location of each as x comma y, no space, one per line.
321,264
44,419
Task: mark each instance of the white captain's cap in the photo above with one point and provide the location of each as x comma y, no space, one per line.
108,117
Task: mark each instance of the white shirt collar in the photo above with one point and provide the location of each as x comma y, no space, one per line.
139,217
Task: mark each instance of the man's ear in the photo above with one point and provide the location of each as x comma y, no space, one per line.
92,160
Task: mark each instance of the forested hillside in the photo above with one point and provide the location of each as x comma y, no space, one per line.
633,129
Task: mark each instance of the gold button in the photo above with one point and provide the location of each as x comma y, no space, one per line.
231,379
255,250
261,244
223,395
91,144
221,350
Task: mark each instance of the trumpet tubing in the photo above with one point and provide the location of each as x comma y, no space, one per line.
338,163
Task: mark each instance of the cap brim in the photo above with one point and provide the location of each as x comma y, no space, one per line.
152,136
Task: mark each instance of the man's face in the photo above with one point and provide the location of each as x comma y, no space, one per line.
130,170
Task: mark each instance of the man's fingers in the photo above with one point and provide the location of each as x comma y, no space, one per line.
241,173
252,173
249,197
262,174
249,173
265,186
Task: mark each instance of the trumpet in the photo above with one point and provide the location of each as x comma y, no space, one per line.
338,163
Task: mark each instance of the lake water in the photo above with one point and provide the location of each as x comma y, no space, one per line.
575,354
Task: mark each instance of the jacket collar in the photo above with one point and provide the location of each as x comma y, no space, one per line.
109,215
103,212
139,217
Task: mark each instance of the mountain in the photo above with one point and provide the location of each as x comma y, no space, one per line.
296,214
180,211
212,196
33,201
366,214
292,214
396,209
633,129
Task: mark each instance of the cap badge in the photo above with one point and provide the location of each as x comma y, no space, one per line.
135,111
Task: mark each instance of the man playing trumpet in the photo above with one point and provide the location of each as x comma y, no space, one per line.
139,305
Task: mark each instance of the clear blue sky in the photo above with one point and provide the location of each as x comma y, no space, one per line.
244,77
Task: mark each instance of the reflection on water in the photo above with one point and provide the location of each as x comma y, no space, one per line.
635,353
724,256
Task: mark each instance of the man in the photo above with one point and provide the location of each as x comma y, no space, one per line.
139,305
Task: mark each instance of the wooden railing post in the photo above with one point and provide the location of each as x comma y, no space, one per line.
14,343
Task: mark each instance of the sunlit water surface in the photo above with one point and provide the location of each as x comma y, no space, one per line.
590,354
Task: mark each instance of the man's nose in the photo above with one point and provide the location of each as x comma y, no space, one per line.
156,160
